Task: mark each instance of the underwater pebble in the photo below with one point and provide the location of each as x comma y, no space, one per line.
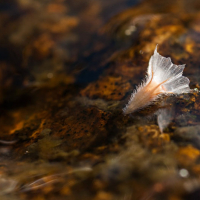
188,132
183,173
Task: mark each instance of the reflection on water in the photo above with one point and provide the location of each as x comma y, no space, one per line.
46,180
67,68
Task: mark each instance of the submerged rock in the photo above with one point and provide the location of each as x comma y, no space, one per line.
65,78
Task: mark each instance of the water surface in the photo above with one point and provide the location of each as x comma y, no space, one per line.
67,68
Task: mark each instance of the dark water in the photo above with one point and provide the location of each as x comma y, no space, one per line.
67,68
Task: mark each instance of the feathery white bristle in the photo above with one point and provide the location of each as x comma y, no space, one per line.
163,77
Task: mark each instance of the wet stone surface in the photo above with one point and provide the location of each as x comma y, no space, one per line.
67,68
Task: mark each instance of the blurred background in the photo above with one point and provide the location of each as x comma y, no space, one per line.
67,68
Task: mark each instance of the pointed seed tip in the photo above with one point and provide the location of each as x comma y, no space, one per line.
155,51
